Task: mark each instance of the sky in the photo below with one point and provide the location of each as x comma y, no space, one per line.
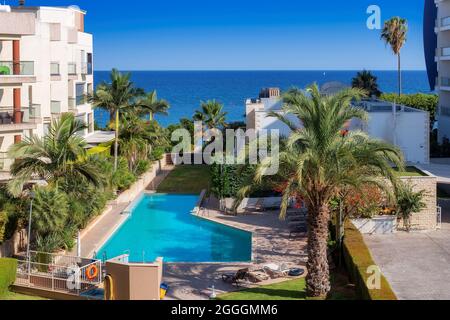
245,34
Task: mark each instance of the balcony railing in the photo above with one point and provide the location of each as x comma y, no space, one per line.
22,68
54,69
29,114
86,68
72,70
55,107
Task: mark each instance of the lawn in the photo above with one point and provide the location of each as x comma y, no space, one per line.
17,296
292,290
190,179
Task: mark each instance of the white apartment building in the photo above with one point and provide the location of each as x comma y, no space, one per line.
46,69
442,29
406,127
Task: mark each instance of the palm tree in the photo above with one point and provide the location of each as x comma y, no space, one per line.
116,96
60,154
211,114
319,160
394,34
367,81
149,104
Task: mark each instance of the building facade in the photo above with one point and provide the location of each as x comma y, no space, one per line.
46,69
405,127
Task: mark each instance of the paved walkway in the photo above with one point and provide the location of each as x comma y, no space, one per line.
271,244
417,265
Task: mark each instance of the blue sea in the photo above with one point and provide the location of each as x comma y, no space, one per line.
185,89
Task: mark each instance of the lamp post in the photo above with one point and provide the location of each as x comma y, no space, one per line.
29,230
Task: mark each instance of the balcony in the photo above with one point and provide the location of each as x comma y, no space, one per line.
21,72
73,105
30,116
86,69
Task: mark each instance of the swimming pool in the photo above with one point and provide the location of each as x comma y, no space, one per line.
161,225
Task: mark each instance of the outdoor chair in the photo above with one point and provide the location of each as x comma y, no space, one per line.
257,207
276,271
235,278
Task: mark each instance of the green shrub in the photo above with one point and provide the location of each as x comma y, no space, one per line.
157,153
50,210
357,259
422,101
8,269
123,178
142,166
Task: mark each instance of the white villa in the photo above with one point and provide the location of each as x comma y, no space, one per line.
46,69
400,125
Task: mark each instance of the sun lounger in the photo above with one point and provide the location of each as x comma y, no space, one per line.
258,206
276,271
234,278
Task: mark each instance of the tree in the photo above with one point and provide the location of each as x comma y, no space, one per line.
394,34
116,97
151,105
319,161
409,202
211,114
367,81
61,154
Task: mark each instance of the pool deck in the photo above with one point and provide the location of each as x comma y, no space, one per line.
271,244
99,230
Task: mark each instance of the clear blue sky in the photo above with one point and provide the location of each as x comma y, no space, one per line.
245,34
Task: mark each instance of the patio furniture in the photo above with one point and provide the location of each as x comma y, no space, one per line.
276,271
258,206
5,118
235,278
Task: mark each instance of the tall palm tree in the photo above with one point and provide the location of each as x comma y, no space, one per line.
116,97
394,34
319,160
60,154
367,81
151,105
211,114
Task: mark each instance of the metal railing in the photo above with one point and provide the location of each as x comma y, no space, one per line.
30,114
22,68
59,272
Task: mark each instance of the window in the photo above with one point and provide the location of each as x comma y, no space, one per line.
80,95
54,69
90,68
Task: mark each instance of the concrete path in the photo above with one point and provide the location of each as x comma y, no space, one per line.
417,265
271,244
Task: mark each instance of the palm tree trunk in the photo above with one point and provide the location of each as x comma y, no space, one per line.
116,142
399,76
318,278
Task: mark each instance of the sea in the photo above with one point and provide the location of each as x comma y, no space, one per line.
184,90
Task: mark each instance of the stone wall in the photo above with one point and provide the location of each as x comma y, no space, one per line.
427,218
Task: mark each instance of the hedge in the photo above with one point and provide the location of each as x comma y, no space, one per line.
357,259
422,101
8,269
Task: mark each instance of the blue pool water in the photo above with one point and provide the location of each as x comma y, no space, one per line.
161,225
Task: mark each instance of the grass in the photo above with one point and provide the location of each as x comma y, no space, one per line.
411,172
293,290
17,296
190,179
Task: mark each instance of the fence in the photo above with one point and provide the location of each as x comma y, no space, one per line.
60,273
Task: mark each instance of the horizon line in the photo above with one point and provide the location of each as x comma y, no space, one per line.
247,70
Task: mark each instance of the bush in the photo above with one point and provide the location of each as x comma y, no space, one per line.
123,178
8,269
3,224
426,102
157,153
142,166
357,259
